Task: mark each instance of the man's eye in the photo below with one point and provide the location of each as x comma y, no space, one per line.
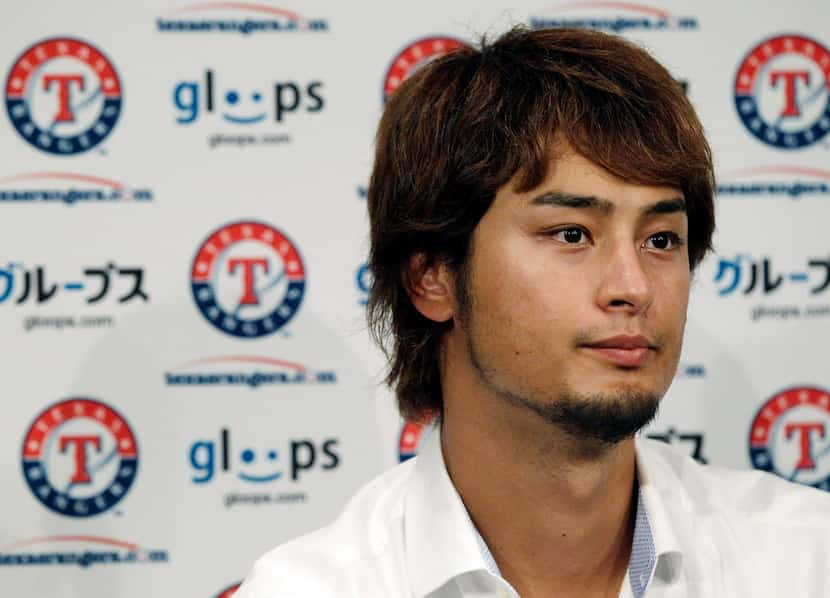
663,241
571,235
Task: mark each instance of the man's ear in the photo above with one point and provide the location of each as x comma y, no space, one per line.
429,284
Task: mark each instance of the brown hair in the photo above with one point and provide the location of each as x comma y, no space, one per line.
469,122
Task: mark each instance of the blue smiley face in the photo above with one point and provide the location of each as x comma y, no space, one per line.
232,98
248,457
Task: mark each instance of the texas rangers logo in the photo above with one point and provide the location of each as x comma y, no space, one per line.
790,436
63,96
412,435
781,91
80,457
248,279
413,57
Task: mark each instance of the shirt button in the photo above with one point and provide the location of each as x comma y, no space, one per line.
643,579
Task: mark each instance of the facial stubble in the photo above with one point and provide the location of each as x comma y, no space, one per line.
595,421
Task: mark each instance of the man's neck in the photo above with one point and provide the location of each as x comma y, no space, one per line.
558,520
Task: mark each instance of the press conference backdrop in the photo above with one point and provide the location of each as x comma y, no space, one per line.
187,376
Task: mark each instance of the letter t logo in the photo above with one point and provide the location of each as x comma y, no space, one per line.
81,475
803,429
789,77
64,109
249,295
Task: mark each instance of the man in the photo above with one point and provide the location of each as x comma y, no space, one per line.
537,208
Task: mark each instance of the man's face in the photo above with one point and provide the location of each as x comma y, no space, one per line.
576,296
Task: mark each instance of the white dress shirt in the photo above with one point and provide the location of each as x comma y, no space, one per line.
701,532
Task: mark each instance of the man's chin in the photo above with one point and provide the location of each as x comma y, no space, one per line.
603,417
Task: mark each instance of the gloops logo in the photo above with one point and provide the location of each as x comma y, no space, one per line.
237,17
790,436
69,189
229,591
80,457
414,56
39,286
786,181
248,279
767,277
252,371
262,465
246,108
80,551
412,435
363,279
617,17
63,96
781,91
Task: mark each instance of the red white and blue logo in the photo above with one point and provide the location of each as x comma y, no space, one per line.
782,91
252,371
69,189
244,18
63,96
781,180
80,457
229,591
414,56
412,435
81,551
618,17
248,279
790,436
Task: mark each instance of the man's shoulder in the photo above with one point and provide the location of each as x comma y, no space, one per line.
753,495
740,532
366,537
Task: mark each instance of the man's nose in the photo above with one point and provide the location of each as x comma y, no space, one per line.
626,284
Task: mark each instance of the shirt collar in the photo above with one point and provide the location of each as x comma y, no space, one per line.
644,555
439,545
443,543
671,515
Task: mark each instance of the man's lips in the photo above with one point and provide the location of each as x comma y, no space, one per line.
623,350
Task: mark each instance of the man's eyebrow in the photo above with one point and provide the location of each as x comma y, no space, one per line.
567,200
667,206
